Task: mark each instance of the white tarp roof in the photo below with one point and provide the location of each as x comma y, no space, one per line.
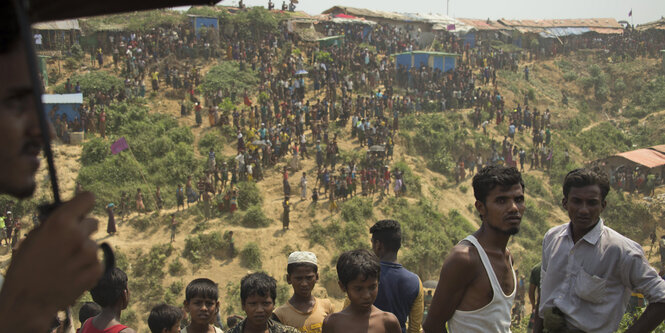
58,25
62,99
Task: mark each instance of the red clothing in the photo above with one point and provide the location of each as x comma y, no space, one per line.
88,327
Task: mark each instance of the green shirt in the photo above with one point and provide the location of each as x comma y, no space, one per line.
2,222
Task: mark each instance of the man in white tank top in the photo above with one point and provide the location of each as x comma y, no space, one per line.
477,284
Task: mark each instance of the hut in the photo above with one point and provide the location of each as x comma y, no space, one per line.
56,35
438,60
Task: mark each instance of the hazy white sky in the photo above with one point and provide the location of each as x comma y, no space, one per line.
643,10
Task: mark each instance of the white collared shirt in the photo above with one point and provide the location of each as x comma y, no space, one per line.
591,281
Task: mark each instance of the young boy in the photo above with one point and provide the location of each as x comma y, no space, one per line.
87,311
358,272
112,295
303,311
202,305
165,318
258,292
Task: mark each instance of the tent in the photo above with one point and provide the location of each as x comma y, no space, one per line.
331,41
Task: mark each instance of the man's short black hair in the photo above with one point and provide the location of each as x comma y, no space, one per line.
389,233
292,267
164,316
109,288
260,284
10,33
88,310
202,287
584,177
357,264
492,176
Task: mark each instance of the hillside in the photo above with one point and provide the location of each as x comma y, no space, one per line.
611,108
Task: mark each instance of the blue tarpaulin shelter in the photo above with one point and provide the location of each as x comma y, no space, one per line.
440,60
67,104
204,22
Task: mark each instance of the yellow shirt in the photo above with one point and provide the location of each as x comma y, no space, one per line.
310,322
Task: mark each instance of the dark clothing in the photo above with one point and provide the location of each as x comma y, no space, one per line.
398,289
110,226
273,327
534,279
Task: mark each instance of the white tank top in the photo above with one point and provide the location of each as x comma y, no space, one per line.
493,317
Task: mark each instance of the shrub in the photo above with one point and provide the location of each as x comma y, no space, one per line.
229,75
200,248
250,256
248,195
254,218
211,140
93,82
173,293
176,268
357,209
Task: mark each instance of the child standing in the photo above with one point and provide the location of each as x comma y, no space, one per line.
112,295
258,292
202,305
165,319
303,311
358,272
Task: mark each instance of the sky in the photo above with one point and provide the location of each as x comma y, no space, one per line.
643,10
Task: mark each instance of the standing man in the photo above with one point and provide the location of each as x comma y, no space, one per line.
477,286
534,298
400,291
589,270
57,261
303,186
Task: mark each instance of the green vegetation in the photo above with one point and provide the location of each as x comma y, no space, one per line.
200,248
93,82
248,195
250,256
135,21
427,234
603,140
231,76
630,218
160,151
254,218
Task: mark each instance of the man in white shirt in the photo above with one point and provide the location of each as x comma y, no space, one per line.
589,270
38,41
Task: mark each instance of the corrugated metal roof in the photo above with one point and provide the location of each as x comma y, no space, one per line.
659,25
482,25
564,23
62,99
660,148
58,25
366,13
647,157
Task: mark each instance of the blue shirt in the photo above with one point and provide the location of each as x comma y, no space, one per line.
398,289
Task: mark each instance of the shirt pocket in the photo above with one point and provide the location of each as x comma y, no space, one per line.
590,288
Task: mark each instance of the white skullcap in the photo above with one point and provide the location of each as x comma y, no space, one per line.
299,257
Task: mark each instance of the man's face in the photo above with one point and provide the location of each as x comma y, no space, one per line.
303,280
20,136
503,209
258,309
584,205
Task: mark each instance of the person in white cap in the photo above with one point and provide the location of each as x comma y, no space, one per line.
303,311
